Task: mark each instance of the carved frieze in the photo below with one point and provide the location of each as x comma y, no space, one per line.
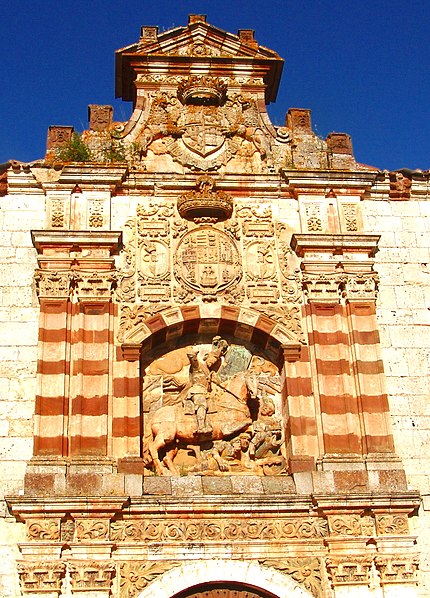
91,529
306,572
41,577
322,287
390,524
331,286
43,529
136,575
351,525
218,530
359,286
91,576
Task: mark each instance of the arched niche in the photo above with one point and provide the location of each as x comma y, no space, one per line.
169,329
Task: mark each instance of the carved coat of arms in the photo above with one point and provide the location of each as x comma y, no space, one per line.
204,129
207,260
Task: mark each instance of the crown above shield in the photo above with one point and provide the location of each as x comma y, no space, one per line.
202,90
204,203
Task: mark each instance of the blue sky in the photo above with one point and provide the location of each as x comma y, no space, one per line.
361,66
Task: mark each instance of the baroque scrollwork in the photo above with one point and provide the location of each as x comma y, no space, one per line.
43,529
392,524
306,572
217,530
89,529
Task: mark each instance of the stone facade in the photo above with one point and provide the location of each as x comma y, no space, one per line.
215,343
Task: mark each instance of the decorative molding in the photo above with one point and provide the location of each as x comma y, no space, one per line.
338,243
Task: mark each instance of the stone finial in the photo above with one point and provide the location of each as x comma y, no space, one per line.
247,36
196,19
148,34
58,136
339,143
299,119
100,117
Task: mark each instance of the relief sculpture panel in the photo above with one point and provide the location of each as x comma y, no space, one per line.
212,409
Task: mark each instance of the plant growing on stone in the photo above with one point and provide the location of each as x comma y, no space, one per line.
74,151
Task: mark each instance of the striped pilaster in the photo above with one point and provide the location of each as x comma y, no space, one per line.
126,410
300,415
369,372
89,378
341,421
51,413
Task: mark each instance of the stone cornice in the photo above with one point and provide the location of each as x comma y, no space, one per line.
338,243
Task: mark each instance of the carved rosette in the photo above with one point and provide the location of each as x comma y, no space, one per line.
91,576
306,572
41,577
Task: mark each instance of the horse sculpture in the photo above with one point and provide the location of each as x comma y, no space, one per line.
170,425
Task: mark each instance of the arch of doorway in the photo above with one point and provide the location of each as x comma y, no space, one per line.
245,324
191,574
